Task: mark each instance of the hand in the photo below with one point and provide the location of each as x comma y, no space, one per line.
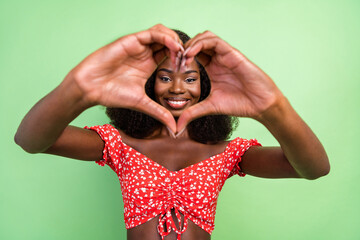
238,87
115,75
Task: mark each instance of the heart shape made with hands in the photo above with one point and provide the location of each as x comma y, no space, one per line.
238,87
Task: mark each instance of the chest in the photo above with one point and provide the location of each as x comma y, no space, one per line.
175,155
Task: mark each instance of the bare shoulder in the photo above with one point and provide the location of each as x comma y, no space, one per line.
78,143
130,141
212,149
267,162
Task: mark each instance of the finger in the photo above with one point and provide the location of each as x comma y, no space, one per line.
138,44
155,47
155,110
170,32
178,61
162,28
152,36
211,40
207,52
209,45
199,36
166,30
163,36
182,64
165,53
200,46
198,110
203,59
147,38
218,49
160,55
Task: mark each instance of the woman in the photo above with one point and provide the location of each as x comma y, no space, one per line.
171,175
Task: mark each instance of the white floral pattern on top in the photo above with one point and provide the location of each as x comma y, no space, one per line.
149,189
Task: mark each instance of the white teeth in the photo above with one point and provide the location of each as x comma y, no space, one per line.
177,102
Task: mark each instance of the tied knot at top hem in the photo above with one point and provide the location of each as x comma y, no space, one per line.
167,220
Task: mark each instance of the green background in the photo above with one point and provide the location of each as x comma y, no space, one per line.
310,48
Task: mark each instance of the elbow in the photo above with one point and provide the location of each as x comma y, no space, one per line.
318,175
26,147
327,169
321,171
18,141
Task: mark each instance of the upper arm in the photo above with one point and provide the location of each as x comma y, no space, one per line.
78,143
267,162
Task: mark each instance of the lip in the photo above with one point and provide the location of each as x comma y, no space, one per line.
176,103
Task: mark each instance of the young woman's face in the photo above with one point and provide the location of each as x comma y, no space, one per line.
177,91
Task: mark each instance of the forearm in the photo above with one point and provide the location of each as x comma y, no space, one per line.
300,145
45,122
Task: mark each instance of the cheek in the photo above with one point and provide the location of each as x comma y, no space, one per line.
157,87
196,91
159,90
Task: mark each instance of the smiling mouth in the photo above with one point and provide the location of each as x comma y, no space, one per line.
176,103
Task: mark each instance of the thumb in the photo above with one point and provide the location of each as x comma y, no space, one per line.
196,111
158,112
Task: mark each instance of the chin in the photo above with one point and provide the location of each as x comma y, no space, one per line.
176,114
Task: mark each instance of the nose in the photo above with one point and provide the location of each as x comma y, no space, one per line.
177,87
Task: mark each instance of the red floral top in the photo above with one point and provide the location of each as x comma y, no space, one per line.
149,189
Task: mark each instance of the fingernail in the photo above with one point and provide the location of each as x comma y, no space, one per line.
177,61
186,51
181,47
182,65
179,133
172,57
171,132
179,56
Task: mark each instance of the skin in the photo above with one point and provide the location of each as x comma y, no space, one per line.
177,85
239,88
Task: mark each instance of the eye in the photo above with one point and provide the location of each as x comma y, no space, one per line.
165,79
190,80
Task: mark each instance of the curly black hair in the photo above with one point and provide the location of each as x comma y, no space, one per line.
208,129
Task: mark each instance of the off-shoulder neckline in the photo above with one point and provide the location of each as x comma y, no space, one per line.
183,169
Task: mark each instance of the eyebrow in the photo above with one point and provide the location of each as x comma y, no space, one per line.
169,71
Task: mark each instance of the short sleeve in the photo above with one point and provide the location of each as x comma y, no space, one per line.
113,143
240,146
